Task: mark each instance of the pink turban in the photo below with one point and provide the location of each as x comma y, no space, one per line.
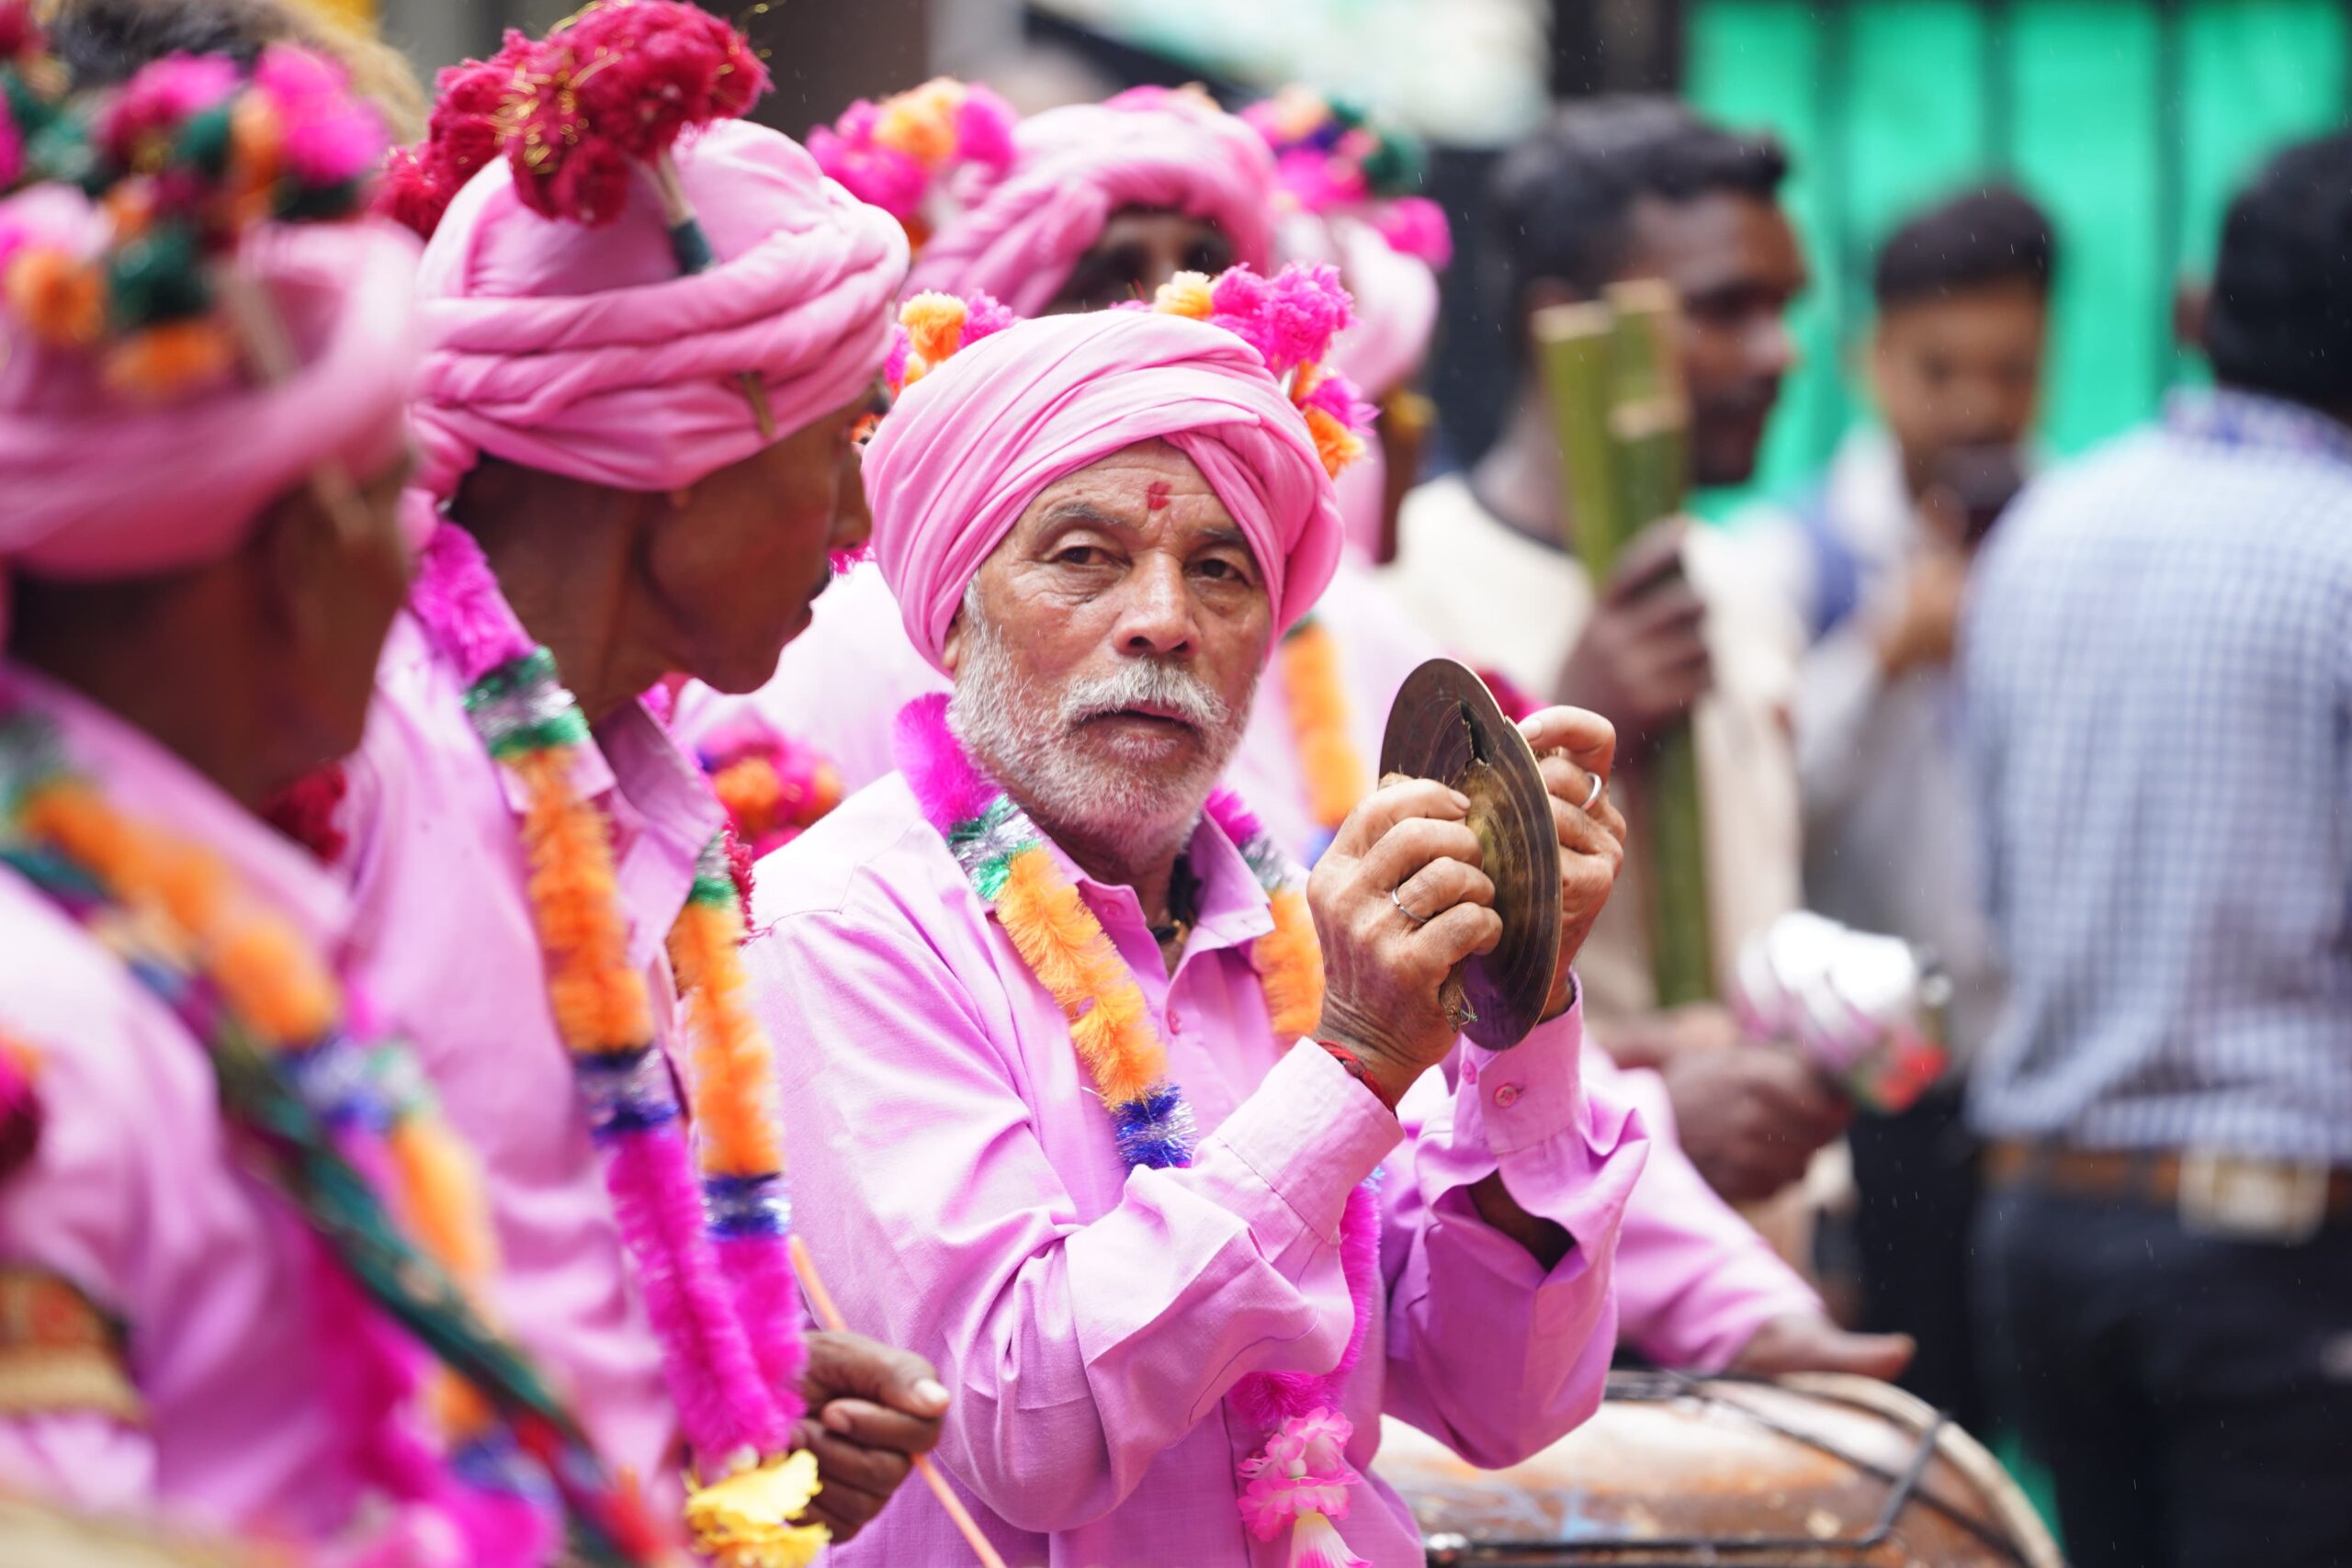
1020,237
1396,298
95,485
583,351
972,443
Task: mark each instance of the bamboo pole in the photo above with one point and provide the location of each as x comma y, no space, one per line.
1611,373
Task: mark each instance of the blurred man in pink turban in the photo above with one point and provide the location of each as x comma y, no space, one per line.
643,368
1071,209
207,1306
1103,1082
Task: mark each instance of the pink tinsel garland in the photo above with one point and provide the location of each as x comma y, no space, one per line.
723,1400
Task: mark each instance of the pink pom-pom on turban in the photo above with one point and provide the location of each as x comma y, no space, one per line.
95,486
1019,236
972,443
584,352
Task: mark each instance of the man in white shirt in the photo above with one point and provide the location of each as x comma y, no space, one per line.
1873,561
1612,190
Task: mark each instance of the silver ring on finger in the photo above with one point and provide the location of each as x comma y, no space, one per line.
1592,794
1416,920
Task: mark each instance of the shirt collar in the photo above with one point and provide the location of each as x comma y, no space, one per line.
2228,417
1234,909
664,813
146,778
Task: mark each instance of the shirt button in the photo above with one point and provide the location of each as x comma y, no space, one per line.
1175,1021
1469,1071
1507,1095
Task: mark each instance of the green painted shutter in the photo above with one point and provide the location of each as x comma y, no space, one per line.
2130,120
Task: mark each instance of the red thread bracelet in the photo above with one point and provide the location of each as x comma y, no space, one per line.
1358,1071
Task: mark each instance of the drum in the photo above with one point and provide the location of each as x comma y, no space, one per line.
1814,1471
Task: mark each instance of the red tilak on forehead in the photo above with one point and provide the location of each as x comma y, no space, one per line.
1155,495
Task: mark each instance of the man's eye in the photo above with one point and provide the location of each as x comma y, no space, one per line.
1079,555
1221,571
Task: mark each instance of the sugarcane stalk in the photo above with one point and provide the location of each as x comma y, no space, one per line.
1573,350
1649,435
1614,383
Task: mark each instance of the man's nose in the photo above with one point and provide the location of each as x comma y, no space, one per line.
1156,612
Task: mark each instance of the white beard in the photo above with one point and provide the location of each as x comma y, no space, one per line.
1023,736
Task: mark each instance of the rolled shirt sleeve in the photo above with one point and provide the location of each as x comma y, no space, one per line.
1486,1349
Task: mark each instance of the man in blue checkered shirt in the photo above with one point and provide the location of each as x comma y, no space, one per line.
2157,673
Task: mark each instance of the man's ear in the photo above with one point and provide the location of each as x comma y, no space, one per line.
952,648
292,550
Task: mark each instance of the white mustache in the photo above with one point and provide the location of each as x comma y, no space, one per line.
1145,683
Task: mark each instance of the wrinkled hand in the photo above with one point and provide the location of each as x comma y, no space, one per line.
1642,660
1655,1038
1808,1342
1573,748
1928,627
1382,965
871,1410
1750,1117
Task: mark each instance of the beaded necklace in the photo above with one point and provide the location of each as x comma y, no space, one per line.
1301,1478
711,1256
321,1107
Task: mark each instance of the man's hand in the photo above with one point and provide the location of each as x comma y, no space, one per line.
871,1410
1574,747
1925,632
1399,900
1655,1038
1751,1116
1808,1342
1642,660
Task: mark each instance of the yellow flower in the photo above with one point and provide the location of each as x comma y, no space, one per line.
744,1521
1186,294
934,323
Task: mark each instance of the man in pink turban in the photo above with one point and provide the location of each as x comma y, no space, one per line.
201,1310
631,471
1102,203
1144,1242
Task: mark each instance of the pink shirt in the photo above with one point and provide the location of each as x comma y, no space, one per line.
958,1180
443,934
136,1195
1694,1280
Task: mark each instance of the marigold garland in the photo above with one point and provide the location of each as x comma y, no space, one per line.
708,1239
774,788
1315,696
1300,1480
240,976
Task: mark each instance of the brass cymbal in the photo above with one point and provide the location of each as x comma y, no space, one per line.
1445,727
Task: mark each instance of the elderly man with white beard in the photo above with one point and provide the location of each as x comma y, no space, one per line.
1092,1098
